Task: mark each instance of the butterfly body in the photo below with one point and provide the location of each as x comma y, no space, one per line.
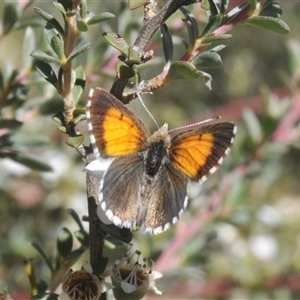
146,183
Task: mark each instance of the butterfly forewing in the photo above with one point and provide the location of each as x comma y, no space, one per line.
199,152
114,129
120,190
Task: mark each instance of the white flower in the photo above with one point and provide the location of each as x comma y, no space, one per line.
131,277
83,285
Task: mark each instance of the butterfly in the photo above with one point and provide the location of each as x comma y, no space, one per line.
146,183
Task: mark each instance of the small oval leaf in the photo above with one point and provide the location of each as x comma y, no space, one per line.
41,55
100,18
117,42
30,162
10,16
212,25
269,23
10,124
167,43
207,59
64,242
182,70
75,141
82,237
79,48
46,71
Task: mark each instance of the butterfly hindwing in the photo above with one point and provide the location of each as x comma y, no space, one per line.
168,199
114,129
199,152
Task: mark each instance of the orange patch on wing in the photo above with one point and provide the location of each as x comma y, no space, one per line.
190,155
120,134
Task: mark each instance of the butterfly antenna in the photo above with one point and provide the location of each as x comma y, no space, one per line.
196,124
147,110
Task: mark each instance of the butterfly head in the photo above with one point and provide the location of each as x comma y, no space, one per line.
161,135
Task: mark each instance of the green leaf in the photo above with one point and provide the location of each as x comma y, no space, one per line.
191,19
82,237
10,124
45,296
71,13
75,254
182,70
41,55
224,6
83,9
67,4
30,162
167,43
50,19
271,10
123,234
1,81
205,4
81,25
64,242
79,49
207,59
213,8
76,218
46,71
214,39
79,84
133,56
60,7
124,71
212,25
10,16
28,45
269,23
117,42
59,118
58,47
253,4
75,141
253,126
95,19
43,255
49,32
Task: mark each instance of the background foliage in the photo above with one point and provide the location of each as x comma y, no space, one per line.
248,247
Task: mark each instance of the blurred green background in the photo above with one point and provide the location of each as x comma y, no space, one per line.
249,247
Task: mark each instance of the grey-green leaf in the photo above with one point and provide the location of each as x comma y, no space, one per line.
212,25
10,16
207,59
167,43
64,242
41,55
217,38
182,70
30,162
269,23
10,124
100,18
46,71
116,41
79,48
